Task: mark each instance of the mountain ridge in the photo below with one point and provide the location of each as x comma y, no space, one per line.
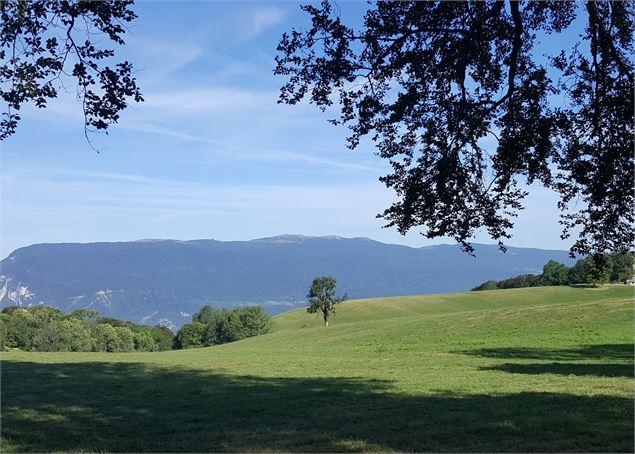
279,239
163,281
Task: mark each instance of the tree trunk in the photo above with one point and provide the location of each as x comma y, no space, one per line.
326,318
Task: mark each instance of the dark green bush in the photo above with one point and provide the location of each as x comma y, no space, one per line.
222,326
190,336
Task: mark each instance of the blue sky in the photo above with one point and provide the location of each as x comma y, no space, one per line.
210,154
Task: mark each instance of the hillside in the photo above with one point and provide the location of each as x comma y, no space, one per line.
541,369
165,281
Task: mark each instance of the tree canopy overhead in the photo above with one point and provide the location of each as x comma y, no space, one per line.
429,81
45,42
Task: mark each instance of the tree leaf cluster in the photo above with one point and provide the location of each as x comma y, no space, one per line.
457,98
45,43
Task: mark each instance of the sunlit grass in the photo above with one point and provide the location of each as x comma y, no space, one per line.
540,369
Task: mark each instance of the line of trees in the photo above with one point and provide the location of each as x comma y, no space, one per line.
211,326
48,329
593,270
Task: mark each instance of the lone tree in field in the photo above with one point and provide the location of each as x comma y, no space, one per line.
44,44
456,96
322,297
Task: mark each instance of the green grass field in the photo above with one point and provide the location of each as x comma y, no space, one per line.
538,369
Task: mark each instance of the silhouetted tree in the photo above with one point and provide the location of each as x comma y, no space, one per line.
322,297
43,42
429,81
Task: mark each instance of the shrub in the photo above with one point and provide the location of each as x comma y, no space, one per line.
524,280
163,337
21,328
216,319
489,285
124,339
105,338
63,336
190,336
241,323
143,341
6,340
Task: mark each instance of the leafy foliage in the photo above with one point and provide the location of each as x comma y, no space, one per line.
593,270
63,336
105,338
622,267
43,328
144,342
524,280
554,273
43,42
431,82
190,336
162,336
322,297
243,322
21,328
212,326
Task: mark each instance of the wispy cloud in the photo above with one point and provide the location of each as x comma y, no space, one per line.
151,128
281,156
208,100
150,205
156,59
264,18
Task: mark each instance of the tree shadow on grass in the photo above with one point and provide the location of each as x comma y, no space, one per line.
598,370
617,352
133,407
566,361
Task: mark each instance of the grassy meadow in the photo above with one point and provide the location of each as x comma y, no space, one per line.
544,369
